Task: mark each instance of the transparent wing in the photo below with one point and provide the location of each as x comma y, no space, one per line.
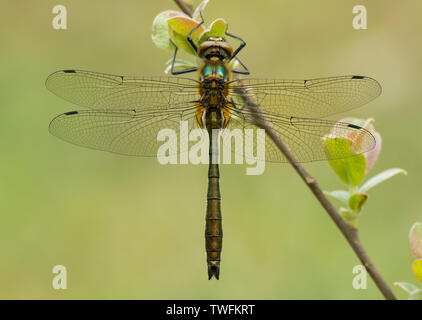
105,91
122,131
304,136
131,111
313,98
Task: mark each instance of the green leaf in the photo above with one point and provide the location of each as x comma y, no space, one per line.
357,200
351,217
234,64
217,29
415,238
199,9
160,34
340,195
350,170
179,64
238,99
408,287
381,177
417,295
417,269
179,28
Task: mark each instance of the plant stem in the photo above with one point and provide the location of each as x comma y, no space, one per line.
351,234
186,8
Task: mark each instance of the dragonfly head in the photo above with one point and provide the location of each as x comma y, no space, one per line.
215,47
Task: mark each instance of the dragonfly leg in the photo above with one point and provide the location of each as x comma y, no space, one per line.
189,38
246,71
173,72
241,46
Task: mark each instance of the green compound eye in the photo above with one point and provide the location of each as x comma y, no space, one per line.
207,70
220,70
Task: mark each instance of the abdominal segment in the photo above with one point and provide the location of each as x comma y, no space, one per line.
226,113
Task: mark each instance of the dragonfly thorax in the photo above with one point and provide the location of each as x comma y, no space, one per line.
214,87
214,91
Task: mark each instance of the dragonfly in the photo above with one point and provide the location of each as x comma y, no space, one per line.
124,114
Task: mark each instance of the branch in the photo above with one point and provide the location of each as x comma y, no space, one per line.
349,233
186,8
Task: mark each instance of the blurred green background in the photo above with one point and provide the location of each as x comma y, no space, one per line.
131,228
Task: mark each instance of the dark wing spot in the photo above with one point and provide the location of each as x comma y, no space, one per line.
358,77
71,112
354,126
69,71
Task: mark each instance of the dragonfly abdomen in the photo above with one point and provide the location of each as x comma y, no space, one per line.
213,225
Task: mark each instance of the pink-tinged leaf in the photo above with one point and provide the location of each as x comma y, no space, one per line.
179,29
160,34
372,155
184,25
417,269
415,238
359,137
354,136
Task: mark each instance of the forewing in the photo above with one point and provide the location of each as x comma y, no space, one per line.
105,91
313,98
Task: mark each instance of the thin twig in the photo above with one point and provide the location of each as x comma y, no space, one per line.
349,233
186,8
